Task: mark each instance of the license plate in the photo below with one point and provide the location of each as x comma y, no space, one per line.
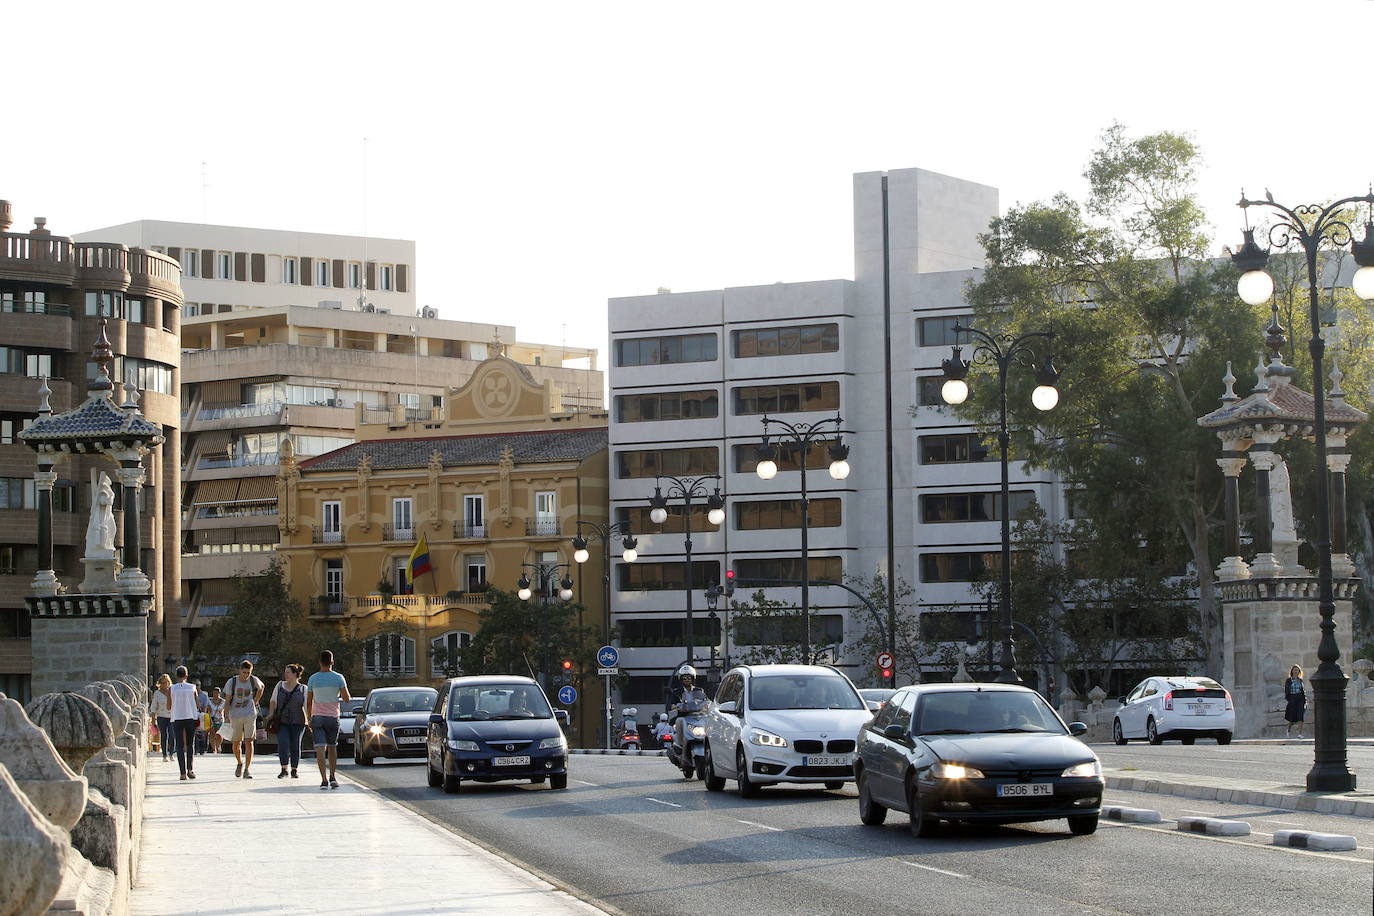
839,760
510,761
410,739
1198,709
1024,789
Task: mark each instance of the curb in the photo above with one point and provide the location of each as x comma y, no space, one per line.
1214,826
1292,801
1303,839
1133,815
615,752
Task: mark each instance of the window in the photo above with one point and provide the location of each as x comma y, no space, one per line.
290,268
147,375
474,516
384,275
11,425
400,575
668,405
18,559
318,445
789,398
787,341
654,351
958,567
355,275
401,517
971,507
679,461
659,577
789,568
331,527
190,262
446,651
333,580
34,301
134,311
18,493
545,512
64,498
389,655
788,456
322,277
652,632
475,572
939,332
928,390
104,304
955,448
749,630
19,361
224,265
949,626
640,522
768,514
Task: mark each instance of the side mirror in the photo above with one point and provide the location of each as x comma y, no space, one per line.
1121,700
1077,729
895,732
874,705
436,719
561,715
730,707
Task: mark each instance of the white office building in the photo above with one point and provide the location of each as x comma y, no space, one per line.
692,374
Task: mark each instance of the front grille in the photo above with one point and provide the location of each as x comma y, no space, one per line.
837,772
407,732
809,746
845,746
1023,775
509,747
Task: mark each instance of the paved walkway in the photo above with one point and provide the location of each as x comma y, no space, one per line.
219,845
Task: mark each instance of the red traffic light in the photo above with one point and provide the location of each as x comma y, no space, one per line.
887,673
729,574
567,664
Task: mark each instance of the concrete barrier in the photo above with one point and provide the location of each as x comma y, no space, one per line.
1214,826
1132,815
1306,839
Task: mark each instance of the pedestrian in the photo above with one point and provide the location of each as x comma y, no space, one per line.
325,691
1295,693
184,718
216,719
288,708
243,691
162,714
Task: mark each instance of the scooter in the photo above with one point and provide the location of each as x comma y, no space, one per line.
663,731
692,713
629,729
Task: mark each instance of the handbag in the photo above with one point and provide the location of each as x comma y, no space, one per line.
273,722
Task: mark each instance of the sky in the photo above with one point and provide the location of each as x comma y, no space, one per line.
549,156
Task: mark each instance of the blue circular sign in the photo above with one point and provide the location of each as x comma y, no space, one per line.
567,695
607,656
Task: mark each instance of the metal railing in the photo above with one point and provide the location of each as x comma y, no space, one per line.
19,307
327,536
541,527
242,411
252,460
469,530
392,533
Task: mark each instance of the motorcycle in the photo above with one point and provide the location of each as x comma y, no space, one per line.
629,729
691,759
663,731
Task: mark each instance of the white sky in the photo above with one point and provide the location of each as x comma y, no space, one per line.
547,156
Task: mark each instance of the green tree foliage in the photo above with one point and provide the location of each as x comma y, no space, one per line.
515,635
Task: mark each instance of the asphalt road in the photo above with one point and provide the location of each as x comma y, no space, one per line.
1276,764
630,835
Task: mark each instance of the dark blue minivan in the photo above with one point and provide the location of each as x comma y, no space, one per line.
492,728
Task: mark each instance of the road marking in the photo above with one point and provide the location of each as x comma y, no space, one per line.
763,826
585,783
1195,811
1288,824
938,871
659,801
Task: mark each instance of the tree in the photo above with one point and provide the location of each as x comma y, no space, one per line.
765,631
916,646
515,636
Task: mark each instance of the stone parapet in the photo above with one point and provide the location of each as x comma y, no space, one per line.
79,650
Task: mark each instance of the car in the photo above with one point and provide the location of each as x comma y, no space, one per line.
782,723
491,728
347,721
394,722
993,753
1163,709
876,697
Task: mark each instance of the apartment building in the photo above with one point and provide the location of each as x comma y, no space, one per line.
55,294
297,337
692,375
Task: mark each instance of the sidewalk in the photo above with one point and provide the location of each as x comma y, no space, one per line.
1240,791
220,845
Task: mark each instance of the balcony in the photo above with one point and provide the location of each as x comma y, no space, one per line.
394,533
546,526
327,536
47,259
20,307
241,412
328,606
469,529
253,460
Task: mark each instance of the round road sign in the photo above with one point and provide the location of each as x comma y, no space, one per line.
884,660
567,695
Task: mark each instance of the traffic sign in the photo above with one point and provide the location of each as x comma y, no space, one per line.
607,672
608,656
567,695
884,660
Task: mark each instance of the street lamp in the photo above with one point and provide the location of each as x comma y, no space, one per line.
803,436
547,575
154,645
686,489
628,554
1311,226
1004,351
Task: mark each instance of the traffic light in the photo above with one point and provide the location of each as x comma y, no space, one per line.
567,665
887,676
729,582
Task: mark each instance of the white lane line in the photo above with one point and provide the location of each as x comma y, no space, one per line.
585,783
763,826
938,871
1289,824
659,801
1195,811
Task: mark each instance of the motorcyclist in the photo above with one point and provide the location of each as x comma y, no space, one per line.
684,692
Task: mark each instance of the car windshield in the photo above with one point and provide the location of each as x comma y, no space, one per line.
402,701
967,712
498,701
803,691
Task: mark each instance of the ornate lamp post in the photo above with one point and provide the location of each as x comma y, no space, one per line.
154,645
547,576
1309,227
686,489
1003,351
629,554
803,436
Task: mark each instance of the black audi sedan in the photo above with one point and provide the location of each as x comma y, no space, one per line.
975,752
393,722
493,728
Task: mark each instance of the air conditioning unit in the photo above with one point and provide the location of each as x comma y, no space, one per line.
429,311
369,307
329,304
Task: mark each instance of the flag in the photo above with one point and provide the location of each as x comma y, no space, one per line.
419,561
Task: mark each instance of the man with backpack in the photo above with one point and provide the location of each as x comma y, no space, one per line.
241,707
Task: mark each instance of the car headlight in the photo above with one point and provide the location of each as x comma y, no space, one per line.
547,743
954,771
1091,768
766,739
696,731
464,745
377,729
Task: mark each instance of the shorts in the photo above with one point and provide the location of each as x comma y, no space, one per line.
324,730
240,729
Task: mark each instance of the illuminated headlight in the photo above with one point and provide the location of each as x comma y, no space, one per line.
377,729
766,739
547,743
954,771
464,745
696,731
1091,768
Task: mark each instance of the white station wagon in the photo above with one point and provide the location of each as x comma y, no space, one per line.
1183,709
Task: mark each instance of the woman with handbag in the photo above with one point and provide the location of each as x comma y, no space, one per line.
286,716
216,720
162,714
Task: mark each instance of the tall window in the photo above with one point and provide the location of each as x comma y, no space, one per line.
389,655
224,265
546,512
475,571
355,275
787,341
400,575
333,580
654,351
331,526
190,262
402,523
384,275
445,653
474,516
322,277
290,270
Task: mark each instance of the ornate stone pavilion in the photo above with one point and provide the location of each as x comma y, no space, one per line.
101,632
1269,604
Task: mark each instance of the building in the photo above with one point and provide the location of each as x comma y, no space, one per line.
55,295
692,374
499,479
298,337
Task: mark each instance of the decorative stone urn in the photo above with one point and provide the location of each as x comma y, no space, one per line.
33,762
125,691
104,696
78,728
33,853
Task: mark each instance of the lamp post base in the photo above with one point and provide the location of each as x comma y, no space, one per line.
1329,771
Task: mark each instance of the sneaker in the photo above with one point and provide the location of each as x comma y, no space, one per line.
183,775
247,775
192,775
333,784
324,784
294,774
238,771
282,774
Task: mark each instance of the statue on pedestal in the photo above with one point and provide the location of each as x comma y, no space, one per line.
100,532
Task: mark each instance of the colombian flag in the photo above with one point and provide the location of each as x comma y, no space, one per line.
419,561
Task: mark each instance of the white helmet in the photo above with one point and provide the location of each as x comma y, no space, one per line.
687,671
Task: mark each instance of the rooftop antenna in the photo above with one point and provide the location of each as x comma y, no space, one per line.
362,264
204,193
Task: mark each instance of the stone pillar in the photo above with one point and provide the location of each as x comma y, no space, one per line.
1265,564
1341,565
1232,566
45,580
132,579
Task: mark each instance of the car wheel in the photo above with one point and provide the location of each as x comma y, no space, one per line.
1083,825
1118,736
747,787
713,782
871,813
1188,740
1224,738
451,783
1152,732
432,776
558,781
923,826
834,784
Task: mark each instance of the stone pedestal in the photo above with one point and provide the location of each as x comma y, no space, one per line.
102,575
112,772
90,638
